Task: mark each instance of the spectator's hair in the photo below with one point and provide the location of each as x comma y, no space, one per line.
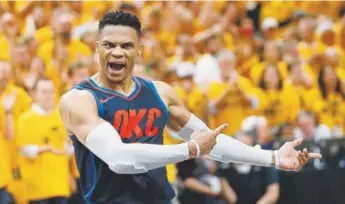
120,18
262,83
128,7
75,67
38,80
322,85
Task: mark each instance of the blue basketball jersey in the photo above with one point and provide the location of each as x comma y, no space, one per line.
139,117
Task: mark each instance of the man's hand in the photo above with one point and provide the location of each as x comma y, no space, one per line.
292,160
206,140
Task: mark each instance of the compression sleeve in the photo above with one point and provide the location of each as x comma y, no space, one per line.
105,142
227,149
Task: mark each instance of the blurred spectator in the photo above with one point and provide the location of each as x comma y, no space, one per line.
274,59
15,101
328,101
274,102
271,55
5,168
252,184
9,27
232,99
309,129
246,58
306,31
207,69
62,42
38,70
269,28
257,128
38,19
200,186
42,142
129,8
185,52
297,84
77,72
194,100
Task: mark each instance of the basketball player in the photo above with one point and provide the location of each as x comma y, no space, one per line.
116,122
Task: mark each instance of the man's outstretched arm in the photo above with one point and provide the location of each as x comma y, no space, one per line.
79,113
182,124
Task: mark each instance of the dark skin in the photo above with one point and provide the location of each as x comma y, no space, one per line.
123,48
120,45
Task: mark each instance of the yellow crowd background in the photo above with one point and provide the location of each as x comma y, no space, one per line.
272,58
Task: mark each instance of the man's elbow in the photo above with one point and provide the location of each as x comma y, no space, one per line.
123,163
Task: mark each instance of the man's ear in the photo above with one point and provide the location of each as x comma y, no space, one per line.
97,44
140,50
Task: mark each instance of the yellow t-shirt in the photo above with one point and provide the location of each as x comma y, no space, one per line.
47,175
75,50
279,106
22,104
305,50
4,156
23,100
233,110
280,10
5,48
330,110
257,71
44,34
195,102
245,67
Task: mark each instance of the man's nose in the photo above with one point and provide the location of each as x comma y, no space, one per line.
117,52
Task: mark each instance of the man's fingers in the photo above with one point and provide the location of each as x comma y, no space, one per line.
296,142
315,155
219,130
303,157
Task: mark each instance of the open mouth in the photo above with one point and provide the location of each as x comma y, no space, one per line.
116,66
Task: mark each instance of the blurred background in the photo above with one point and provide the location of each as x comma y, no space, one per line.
273,70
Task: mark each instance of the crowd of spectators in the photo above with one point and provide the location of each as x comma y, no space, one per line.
272,70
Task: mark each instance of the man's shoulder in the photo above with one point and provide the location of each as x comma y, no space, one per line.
75,97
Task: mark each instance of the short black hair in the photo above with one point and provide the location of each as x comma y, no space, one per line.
120,18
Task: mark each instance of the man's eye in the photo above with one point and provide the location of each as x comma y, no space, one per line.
127,46
107,45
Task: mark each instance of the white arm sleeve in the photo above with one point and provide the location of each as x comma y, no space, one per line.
227,149
105,142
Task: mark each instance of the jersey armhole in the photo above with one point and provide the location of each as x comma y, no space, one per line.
100,107
155,92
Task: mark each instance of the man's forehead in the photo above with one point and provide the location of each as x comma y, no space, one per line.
118,33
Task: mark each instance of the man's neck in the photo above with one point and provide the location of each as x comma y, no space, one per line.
125,87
